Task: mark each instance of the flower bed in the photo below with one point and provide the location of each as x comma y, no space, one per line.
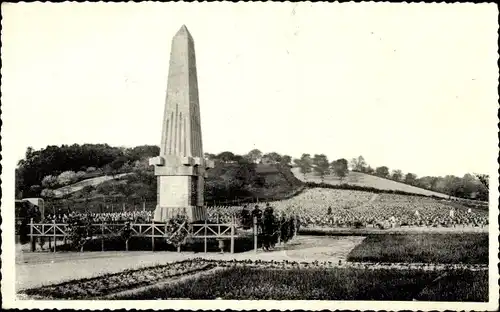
314,283
111,283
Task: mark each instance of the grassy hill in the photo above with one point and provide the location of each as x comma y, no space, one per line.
367,180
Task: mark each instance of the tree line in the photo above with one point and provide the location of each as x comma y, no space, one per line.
43,171
470,186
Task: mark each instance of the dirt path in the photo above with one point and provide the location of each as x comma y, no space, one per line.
81,184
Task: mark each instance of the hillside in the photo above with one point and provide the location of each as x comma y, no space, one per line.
367,180
226,183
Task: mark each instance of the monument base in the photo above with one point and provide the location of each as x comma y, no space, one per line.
193,213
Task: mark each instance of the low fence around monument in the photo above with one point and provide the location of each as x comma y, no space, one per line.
219,231
54,231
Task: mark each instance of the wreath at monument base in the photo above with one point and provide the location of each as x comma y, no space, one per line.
80,232
177,230
126,232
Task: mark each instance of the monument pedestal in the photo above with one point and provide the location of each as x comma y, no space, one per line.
193,213
180,195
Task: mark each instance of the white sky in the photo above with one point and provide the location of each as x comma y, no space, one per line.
413,87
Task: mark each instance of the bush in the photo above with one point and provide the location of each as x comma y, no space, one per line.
359,224
66,178
46,193
80,175
50,182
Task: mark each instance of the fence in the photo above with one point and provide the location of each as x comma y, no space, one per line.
219,231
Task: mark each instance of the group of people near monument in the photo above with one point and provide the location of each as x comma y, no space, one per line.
271,227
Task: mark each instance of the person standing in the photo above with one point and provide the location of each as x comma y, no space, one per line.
269,227
246,217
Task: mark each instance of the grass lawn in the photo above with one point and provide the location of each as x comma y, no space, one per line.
469,248
244,283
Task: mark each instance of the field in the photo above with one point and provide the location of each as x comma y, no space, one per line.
243,280
423,248
366,180
243,283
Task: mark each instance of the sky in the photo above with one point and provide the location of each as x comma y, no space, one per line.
412,87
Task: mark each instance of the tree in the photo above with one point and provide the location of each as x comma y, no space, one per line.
35,190
340,168
117,164
304,164
271,158
19,183
66,178
410,178
49,182
358,164
141,165
87,189
397,175
254,156
369,170
483,189
47,193
321,165
209,156
427,182
470,185
286,160
240,159
225,157
80,175
382,171
484,179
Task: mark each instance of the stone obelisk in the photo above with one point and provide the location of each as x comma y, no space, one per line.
181,167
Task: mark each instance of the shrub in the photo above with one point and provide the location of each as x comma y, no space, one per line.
46,193
80,175
359,224
49,182
66,178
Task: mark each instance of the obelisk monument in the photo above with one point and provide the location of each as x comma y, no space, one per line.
181,167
